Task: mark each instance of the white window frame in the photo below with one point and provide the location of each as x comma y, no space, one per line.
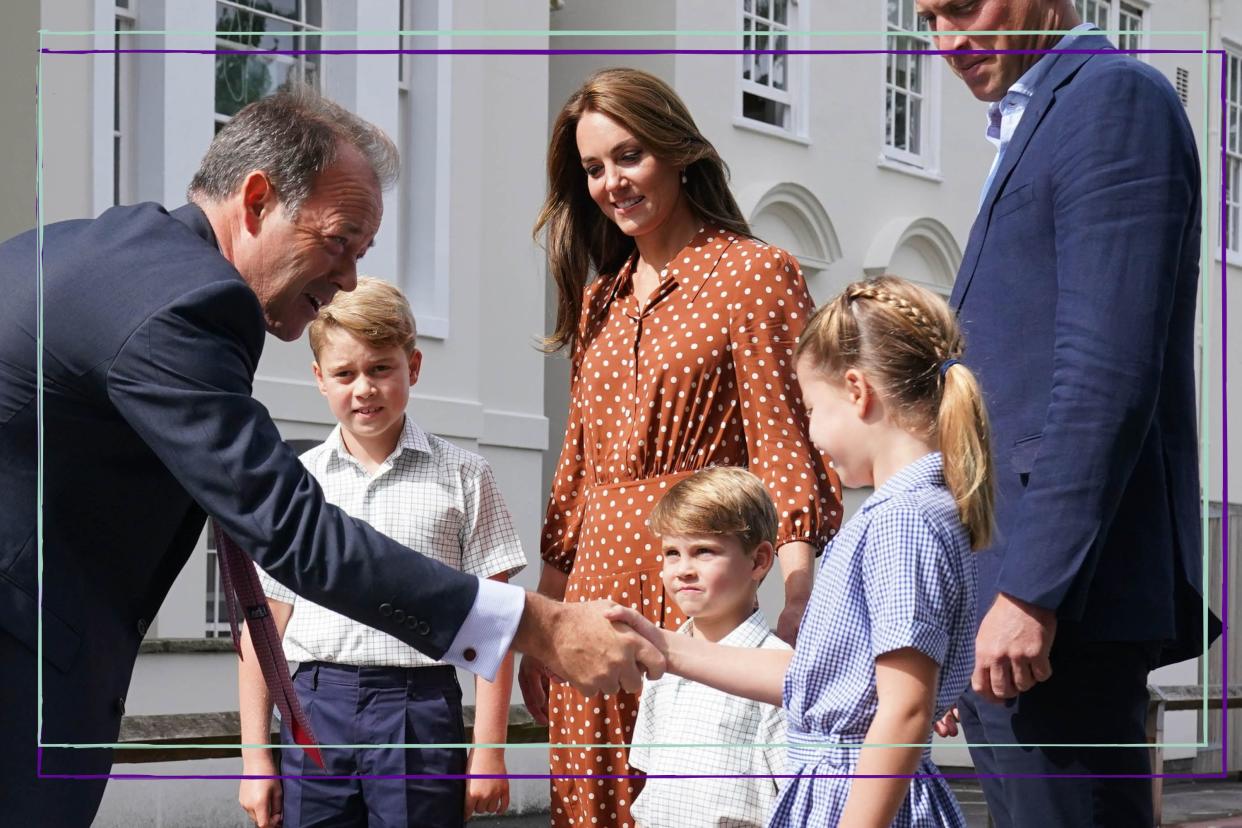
794,96
299,61
424,138
1111,20
124,90
1232,173
925,162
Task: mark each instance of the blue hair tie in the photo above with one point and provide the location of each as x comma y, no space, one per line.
947,364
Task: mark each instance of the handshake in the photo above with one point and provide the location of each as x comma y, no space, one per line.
596,646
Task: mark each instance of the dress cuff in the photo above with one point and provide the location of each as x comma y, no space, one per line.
483,640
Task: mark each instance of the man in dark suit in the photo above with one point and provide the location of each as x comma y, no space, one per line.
1077,297
152,327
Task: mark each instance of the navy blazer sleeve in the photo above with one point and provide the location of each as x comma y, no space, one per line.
1125,179
183,382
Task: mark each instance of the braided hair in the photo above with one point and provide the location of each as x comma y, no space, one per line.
907,342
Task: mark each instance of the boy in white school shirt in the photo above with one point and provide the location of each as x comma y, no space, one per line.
717,529
358,685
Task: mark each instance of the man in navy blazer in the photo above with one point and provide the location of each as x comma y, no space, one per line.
152,327
1077,298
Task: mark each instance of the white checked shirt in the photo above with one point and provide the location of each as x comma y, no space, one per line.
676,711
429,495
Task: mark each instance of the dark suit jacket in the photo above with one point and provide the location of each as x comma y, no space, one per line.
1077,298
150,343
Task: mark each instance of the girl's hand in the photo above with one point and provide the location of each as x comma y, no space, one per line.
533,681
947,725
486,796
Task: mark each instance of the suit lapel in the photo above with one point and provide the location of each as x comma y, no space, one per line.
1060,73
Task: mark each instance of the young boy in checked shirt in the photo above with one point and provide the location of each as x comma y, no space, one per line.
360,686
717,530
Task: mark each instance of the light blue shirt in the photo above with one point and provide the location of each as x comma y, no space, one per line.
1005,114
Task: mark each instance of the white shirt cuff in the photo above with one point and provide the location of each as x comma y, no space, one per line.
484,637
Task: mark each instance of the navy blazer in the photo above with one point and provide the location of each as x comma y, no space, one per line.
150,343
1077,298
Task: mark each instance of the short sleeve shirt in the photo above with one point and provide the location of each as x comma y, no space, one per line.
429,495
901,573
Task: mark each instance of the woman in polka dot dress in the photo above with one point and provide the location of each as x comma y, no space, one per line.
681,358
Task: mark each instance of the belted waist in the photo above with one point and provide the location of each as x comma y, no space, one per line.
432,675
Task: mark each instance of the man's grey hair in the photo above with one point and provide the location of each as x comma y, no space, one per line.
292,136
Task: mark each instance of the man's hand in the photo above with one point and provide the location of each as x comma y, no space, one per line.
947,725
1011,649
533,681
576,641
262,797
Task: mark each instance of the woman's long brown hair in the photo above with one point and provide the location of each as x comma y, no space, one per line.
579,238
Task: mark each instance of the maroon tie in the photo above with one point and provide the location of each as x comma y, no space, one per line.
241,583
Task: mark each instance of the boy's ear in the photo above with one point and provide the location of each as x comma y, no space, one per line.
319,377
761,560
416,364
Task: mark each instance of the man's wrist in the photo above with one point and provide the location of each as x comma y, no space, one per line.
538,615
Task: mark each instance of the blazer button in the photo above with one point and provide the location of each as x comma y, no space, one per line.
385,610
469,654
398,615
120,705
142,627
411,622
423,628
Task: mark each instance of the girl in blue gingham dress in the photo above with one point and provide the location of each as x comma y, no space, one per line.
886,645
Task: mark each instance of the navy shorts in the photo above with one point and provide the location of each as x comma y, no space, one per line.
376,706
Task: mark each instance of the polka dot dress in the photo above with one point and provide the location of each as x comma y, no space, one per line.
700,375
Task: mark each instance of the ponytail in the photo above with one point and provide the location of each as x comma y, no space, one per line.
962,426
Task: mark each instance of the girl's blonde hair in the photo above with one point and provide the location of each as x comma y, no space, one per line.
580,238
906,340
375,311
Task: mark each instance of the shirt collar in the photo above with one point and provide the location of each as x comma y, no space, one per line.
928,470
1026,85
749,633
623,278
412,438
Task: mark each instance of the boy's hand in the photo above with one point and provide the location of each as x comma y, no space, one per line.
486,796
262,798
533,681
947,724
634,620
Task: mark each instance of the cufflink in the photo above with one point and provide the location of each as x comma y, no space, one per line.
469,654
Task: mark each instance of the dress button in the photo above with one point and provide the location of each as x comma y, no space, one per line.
423,628
469,654
398,615
142,627
120,705
385,610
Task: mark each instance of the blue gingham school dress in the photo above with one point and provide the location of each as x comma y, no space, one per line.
899,574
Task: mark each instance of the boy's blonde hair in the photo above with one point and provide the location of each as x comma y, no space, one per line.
907,341
375,311
719,500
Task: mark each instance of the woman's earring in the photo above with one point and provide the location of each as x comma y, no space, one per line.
683,176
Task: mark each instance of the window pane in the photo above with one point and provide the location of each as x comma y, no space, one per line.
916,68
914,137
894,13
762,109
888,118
780,11
901,78
763,8
779,80
899,121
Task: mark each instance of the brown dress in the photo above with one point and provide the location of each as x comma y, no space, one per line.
703,375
